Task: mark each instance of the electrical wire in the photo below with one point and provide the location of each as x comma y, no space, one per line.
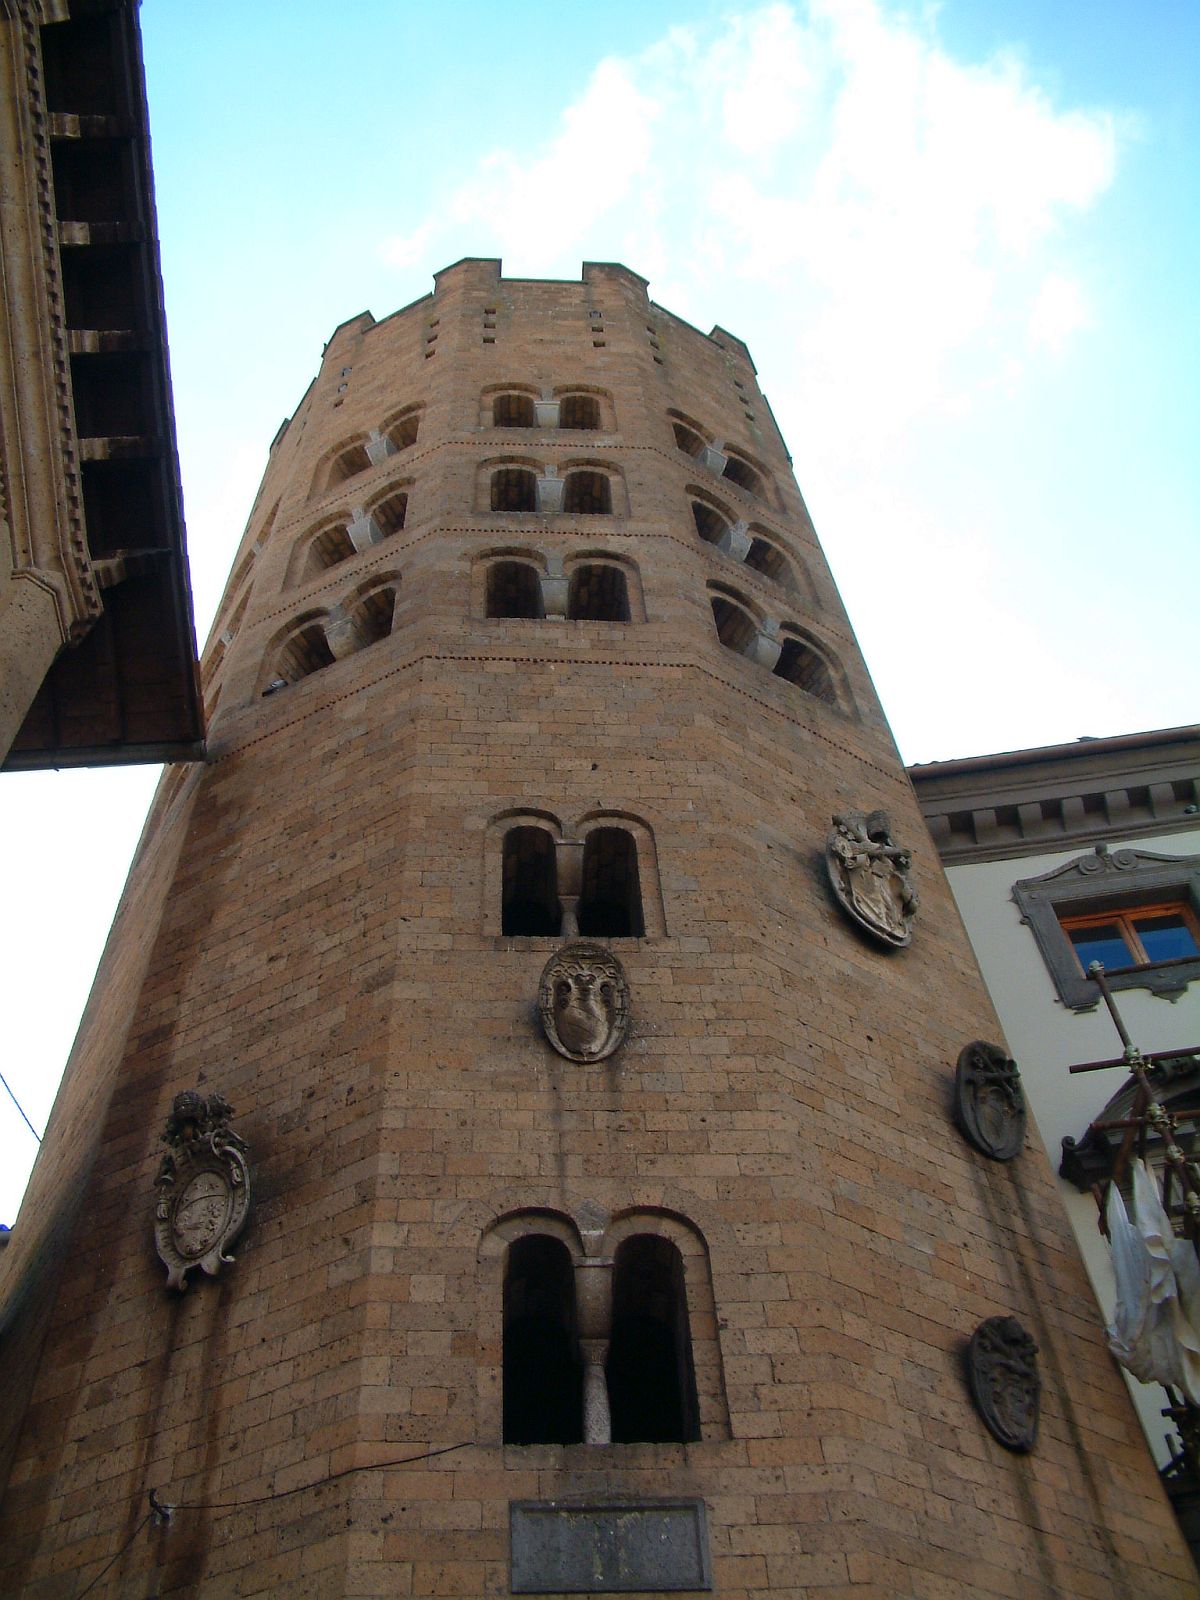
20,1108
160,1510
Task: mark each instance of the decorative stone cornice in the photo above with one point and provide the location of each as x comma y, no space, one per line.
1028,802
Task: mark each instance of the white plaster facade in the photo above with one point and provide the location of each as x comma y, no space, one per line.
1003,819
1046,1038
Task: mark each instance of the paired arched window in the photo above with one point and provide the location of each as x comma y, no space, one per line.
769,559
330,547
514,589
579,411
736,626
788,652
602,893
514,489
362,618
597,592
543,1377
587,493
513,411
610,900
591,587
639,1336
339,540
687,439
738,470
401,432
305,651
389,513
353,460
800,663
710,523
530,906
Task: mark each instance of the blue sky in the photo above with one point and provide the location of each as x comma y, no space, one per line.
960,240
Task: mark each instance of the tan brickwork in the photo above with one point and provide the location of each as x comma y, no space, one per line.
311,931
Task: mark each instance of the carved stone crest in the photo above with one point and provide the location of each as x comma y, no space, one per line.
1002,1373
989,1103
870,875
203,1188
584,1001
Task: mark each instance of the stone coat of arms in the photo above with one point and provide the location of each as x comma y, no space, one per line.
869,875
583,999
203,1188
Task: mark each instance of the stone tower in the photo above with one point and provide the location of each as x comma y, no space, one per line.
609,1228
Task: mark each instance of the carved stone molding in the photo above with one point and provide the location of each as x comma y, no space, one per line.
989,1104
1105,880
1002,1373
583,998
203,1188
869,875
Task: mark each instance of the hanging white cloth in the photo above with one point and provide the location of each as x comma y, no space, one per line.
1155,1332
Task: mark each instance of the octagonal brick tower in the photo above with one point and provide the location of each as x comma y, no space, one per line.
530,633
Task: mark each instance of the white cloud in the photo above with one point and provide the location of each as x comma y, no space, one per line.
902,209
1059,310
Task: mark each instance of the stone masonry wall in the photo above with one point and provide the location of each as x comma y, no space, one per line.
328,957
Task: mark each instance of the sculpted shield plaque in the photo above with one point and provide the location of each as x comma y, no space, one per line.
989,1103
1002,1372
203,1188
584,1001
869,875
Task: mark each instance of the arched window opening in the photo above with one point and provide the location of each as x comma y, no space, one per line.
373,616
513,411
739,472
389,514
710,524
598,593
529,906
330,547
588,494
801,665
687,440
306,651
651,1382
610,902
349,464
543,1395
770,561
513,590
735,627
404,431
514,489
579,411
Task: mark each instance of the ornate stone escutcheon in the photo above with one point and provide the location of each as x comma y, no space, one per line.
989,1103
203,1188
584,1001
1002,1373
870,875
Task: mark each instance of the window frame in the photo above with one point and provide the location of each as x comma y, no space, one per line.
1108,883
1125,920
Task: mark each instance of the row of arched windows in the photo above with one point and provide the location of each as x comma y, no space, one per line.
585,491
521,407
517,585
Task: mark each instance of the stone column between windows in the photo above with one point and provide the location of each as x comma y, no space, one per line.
556,589
569,868
593,1308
